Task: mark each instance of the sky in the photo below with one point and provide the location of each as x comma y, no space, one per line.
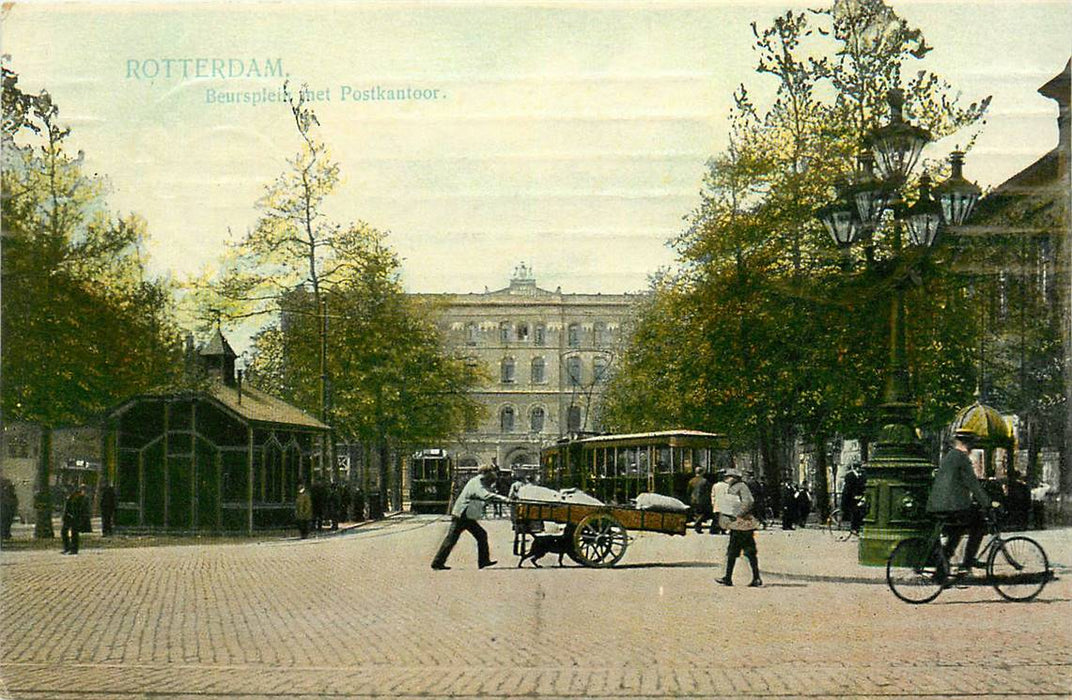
572,136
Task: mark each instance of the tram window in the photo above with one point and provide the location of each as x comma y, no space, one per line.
663,464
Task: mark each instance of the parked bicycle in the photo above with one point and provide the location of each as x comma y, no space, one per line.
918,570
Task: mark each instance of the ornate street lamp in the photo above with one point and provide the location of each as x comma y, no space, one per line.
897,145
923,218
957,195
899,472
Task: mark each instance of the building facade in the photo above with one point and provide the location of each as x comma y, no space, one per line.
1016,252
545,357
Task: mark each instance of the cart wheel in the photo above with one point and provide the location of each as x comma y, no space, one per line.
599,540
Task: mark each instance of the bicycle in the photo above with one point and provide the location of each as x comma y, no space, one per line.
838,527
918,570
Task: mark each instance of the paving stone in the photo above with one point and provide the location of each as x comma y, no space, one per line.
363,615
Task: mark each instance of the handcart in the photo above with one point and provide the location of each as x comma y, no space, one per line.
594,535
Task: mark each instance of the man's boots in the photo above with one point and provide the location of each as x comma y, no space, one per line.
756,580
727,580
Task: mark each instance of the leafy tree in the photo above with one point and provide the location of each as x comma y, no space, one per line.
779,334
83,327
348,344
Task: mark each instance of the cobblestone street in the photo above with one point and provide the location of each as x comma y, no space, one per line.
362,614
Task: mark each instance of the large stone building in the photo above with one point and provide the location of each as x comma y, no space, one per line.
546,357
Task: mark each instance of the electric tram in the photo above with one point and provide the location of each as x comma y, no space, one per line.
431,477
616,468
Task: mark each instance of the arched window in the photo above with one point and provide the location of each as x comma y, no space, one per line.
507,370
573,335
599,330
506,420
522,332
504,332
539,334
472,333
536,420
573,370
599,369
539,373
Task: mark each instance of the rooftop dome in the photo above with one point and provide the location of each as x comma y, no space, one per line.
986,423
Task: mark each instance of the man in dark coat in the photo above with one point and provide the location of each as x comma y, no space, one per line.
852,493
107,509
9,506
75,510
954,487
700,500
789,505
803,504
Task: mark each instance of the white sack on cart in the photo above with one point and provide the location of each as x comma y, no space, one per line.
657,501
578,496
532,492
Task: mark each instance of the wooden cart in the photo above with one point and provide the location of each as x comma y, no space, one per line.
594,535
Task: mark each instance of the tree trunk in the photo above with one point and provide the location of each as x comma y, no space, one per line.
384,466
43,488
822,484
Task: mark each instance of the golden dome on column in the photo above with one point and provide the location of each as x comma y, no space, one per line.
990,427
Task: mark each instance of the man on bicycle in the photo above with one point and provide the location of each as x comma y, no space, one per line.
954,487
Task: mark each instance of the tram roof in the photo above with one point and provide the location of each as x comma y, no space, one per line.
669,436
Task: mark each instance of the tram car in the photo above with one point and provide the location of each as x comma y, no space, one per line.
616,468
431,477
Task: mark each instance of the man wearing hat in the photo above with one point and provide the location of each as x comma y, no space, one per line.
468,509
954,487
735,515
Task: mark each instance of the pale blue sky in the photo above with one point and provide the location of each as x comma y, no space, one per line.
572,136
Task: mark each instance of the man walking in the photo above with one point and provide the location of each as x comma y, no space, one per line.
736,516
467,510
74,512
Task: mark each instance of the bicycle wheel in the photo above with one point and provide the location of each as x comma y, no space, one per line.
833,523
917,570
1018,568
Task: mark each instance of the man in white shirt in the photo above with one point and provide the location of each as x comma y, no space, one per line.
468,509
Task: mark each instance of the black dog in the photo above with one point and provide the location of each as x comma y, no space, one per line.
547,544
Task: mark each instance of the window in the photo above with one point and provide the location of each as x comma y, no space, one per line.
506,420
573,370
599,369
472,333
508,370
573,335
540,334
600,332
536,420
504,332
522,332
573,418
539,375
